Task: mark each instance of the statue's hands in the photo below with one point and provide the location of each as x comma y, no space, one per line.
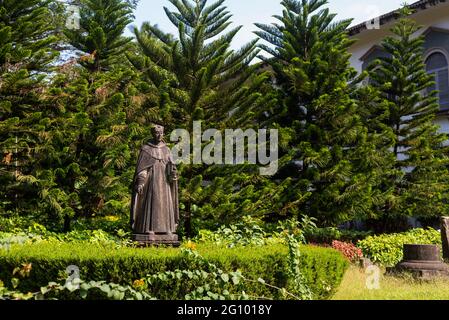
174,174
140,189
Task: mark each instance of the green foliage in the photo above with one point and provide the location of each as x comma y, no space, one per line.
387,249
209,283
70,132
197,76
294,272
251,231
27,40
73,289
92,290
100,35
113,225
415,179
296,228
77,129
201,76
327,235
322,268
232,236
247,232
329,155
38,233
89,167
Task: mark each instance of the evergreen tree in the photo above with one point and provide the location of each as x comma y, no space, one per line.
83,123
99,101
27,41
200,77
417,178
330,156
207,78
88,166
102,23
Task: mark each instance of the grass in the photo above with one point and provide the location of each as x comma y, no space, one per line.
353,287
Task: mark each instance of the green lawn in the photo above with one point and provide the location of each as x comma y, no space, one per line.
353,287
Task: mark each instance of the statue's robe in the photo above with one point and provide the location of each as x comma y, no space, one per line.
156,209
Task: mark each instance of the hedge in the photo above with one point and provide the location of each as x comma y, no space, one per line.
323,268
387,249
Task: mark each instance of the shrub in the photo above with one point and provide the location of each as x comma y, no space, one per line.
387,249
13,223
327,235
349,250
247,232
322,268
250,232
37,233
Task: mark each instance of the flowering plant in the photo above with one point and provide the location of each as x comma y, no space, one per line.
349,250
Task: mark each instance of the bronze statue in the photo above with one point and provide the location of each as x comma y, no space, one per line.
154,207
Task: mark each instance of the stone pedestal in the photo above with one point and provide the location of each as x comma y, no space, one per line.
423,261
445,237
155,239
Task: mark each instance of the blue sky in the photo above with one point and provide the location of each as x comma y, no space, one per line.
247,12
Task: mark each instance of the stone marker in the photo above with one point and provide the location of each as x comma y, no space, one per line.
422,260
154,207
445,236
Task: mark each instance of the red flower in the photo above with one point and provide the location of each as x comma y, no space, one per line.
349,250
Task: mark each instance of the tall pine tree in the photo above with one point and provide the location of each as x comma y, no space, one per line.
99,104
100,35
200,77
27,41
417,178
82,163
330,155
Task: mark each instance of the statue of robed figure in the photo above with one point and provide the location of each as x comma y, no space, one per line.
154,207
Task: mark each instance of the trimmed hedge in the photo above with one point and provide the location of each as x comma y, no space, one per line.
323,268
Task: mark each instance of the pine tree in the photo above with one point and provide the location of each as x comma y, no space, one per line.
27,41
100,35
330,155
81,161
417,177
209,79
200,77
98,127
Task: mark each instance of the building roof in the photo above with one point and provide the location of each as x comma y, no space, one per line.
393,15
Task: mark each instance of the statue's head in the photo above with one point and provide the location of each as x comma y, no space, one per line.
158,133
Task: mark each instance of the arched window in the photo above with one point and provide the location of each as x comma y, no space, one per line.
437,64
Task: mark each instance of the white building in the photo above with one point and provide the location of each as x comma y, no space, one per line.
433,16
